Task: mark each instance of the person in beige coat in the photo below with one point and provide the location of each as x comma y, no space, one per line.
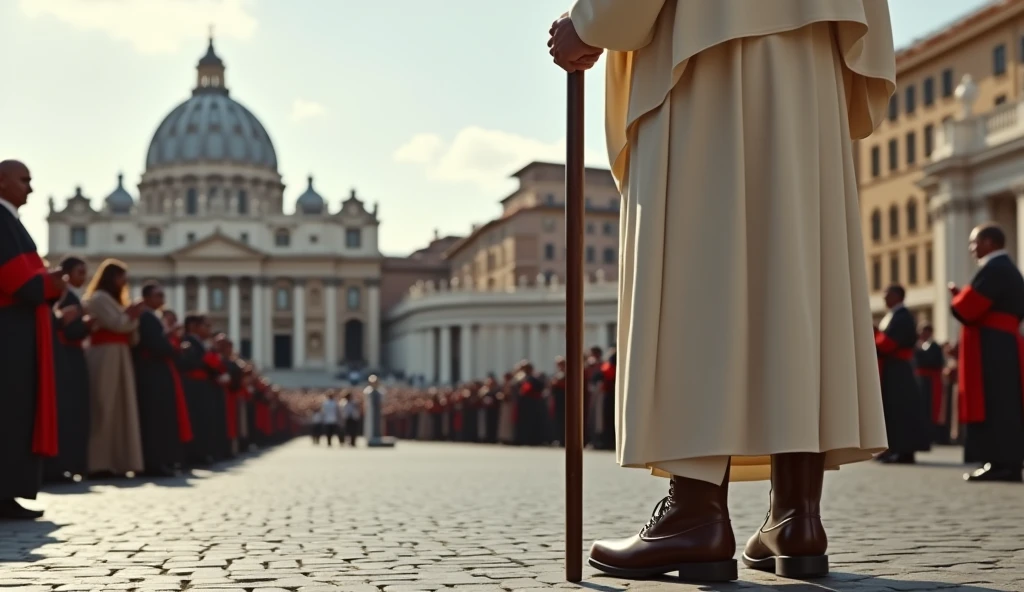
745,337
115,439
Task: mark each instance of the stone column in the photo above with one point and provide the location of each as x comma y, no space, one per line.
299,325
429,355
445,371
373,322
234,312
257,318
203,296
179,297
467,371
518,344
951,229
501,364
534,353
331,320
556,344
267,285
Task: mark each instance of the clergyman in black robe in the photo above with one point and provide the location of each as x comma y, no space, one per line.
929,362
28,421
200,391
905,416
991,360
558,385
532,413
163,410
72,460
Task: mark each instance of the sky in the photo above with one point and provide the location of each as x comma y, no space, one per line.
422,107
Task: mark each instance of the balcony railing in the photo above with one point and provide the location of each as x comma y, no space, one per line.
980,132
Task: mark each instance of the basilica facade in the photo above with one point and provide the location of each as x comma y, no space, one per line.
296,292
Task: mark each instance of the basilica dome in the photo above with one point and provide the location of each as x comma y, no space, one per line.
310,202
211,126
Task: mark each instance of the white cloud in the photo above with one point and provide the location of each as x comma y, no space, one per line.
151,26
303,110
481,156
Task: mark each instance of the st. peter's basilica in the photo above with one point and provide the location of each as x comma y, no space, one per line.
294,291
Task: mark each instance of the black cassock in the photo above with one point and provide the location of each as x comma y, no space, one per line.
906,417
156,384
532,413
929,362
28,406
72,396
990,361
202,393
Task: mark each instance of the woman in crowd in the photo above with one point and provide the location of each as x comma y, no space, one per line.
115,441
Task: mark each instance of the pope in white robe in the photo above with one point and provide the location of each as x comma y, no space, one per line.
745,342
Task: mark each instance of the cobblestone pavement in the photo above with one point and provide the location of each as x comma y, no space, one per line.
427,517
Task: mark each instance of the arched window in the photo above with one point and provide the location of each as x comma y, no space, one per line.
876,225
912,216
154,237
282,238
353,298
282,299
894,221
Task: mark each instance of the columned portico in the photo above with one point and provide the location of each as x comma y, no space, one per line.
495,330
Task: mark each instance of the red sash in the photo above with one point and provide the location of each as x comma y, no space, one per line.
888,348
13,275
608,376
197,375
973,308
263,421
104,337
935,376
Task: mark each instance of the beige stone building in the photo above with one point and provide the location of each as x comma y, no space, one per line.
949,156
504,297
298,293
528,239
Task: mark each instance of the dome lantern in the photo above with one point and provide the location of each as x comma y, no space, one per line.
210,72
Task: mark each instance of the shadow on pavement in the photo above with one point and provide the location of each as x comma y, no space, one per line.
18,540
185,479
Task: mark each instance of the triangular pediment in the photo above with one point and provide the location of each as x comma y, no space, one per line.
217,247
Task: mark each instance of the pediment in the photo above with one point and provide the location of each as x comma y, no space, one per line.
217,247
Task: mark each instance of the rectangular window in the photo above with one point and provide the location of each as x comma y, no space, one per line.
947,83
1000,100
876,161
911,148
590,254
894,268
192,202
928,91
609,255
894,155
876,274
79,236
244,237
912,267
999,60
549,252
911,99
243,203
929,140
894,107
353,238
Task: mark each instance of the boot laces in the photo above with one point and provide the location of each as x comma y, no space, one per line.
660,509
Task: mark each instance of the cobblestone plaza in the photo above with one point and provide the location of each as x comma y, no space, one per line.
428,517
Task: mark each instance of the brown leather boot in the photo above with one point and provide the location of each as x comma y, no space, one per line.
688,533
792,541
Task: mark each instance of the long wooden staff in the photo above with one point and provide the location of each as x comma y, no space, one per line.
574,205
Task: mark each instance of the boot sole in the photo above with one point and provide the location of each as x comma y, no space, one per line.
712,571
797,568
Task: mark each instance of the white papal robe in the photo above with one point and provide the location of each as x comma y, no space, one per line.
744,323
